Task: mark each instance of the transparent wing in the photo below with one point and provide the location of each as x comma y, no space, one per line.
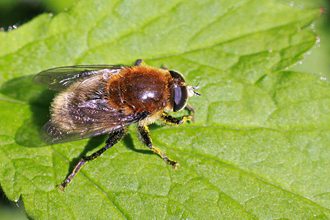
93,118
60,78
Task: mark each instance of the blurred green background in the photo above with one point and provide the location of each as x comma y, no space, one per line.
14,13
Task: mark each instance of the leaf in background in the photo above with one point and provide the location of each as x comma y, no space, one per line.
259,144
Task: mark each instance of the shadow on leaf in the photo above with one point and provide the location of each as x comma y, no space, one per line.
128,141
23,89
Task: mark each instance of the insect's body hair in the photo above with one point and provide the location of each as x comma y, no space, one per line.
68,103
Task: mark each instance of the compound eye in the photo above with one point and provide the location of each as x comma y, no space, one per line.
179,97
176,75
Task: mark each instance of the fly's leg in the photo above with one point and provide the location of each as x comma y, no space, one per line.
145,135
140,62
113,138
192,112
170,120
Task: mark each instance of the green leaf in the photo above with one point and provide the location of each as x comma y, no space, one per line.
258,148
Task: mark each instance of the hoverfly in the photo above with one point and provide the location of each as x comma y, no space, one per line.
100,99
